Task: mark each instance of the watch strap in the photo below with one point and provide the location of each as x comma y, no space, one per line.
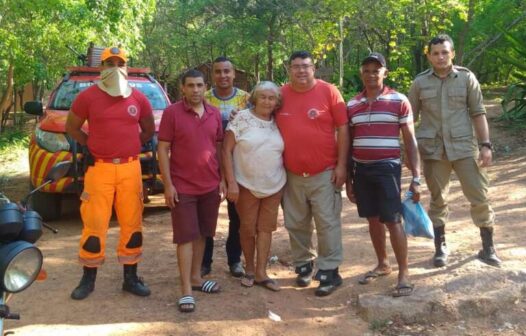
488,145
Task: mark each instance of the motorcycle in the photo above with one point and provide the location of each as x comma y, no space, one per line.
20,228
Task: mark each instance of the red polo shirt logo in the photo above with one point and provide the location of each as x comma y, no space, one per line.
132,110
313,113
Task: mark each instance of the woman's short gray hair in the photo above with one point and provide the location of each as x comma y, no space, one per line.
265,85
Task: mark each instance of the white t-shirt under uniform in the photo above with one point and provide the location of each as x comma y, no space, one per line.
258,154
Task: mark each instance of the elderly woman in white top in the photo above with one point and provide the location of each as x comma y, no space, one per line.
253,163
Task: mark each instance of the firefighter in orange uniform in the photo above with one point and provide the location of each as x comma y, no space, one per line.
120,119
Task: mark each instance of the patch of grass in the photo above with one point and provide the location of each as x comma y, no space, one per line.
13,138
379,325
13,155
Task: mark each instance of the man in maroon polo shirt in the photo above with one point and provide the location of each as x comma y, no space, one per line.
190,137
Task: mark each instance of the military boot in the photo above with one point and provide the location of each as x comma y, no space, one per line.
86,285
488,254
132,283
441,252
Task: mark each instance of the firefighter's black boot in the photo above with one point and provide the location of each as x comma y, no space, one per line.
132,283
441,252
86,285
488,254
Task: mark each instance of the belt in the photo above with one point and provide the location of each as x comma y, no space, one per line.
377,163
119,160
306,174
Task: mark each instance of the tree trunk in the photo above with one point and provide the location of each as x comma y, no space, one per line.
270,49
425,33
417,49
19,115
459,50
340,57
256,67
5,102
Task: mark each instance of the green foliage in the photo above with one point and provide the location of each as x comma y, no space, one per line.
13,156
258,35
400,79
514,104
35,35
514,101
13,139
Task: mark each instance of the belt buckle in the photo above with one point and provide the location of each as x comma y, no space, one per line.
305,174
116,161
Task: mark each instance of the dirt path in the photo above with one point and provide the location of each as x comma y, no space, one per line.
46,308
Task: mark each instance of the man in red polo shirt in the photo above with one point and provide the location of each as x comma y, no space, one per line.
190,137
313,123
376,117
120,120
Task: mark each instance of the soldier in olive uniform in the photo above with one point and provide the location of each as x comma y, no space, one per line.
453,135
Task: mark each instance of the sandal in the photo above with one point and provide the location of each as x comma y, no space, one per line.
269,284
247,280
209,286
186,304
403,289
370,276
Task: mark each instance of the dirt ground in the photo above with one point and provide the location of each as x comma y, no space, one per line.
46,308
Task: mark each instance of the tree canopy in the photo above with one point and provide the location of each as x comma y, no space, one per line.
36,37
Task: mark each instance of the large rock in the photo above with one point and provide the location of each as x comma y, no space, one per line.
471,295
423,305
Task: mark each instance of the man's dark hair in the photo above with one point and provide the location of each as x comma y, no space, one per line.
192,73
221,59
439,39
303,54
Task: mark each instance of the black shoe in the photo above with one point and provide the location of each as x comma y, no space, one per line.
132,283
236,270
488,254
441,252
329,281
205,270
304,273
86,285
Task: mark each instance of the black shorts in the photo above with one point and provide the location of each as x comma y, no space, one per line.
377,190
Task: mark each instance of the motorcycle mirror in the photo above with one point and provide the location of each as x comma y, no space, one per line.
55,173
34,108
58,171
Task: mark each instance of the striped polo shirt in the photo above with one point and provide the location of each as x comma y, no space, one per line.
375,125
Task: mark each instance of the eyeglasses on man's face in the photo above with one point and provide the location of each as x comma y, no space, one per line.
297,67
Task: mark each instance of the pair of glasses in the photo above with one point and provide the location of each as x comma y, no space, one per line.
301,66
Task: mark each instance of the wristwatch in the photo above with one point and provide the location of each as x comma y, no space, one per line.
416,180
488,145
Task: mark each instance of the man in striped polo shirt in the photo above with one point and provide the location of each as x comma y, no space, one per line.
376,117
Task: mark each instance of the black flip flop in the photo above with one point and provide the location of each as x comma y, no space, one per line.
208,286
403,290
187,300
370,276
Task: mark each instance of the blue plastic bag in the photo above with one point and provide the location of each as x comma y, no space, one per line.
416,220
